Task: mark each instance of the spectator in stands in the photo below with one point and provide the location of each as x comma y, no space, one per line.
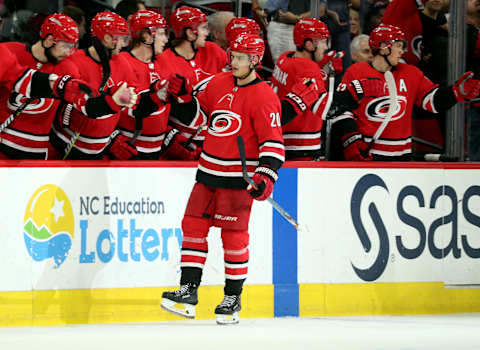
126,8
373,15
338,22
354,20
217,23
435,41
283,15
78,15
360,49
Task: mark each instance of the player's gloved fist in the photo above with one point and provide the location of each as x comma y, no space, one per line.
121,149
180,88
158,91
354,148
177,147
70,89
335,58
303,95
466,88
369,87
264,179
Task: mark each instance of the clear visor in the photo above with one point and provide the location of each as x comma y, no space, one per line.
326,41
67,48
157,31
122,39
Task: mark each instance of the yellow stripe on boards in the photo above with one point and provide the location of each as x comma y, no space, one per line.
385,299
57,307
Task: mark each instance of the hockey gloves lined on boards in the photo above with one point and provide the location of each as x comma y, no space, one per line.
466,88
120,148
264,178
178,147
180,88
354,148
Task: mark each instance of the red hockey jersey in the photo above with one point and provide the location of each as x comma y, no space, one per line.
252,111
155,125
95,134
207,61
412,88
12,73
302,134
28,135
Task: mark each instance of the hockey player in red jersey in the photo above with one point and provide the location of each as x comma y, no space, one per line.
194,58
237,103
302,105
85,133
31,84
361,104
149,120
27,136
149,36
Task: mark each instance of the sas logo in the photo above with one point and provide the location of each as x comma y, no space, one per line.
49,225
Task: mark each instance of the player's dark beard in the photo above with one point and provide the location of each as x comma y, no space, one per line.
51,58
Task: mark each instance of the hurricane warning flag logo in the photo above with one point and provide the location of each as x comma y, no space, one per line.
48,225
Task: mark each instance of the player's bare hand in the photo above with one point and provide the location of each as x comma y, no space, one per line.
125,96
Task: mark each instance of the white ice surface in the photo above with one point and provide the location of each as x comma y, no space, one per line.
452,332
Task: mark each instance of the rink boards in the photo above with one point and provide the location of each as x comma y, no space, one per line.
83,243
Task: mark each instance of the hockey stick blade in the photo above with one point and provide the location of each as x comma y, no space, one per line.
275,205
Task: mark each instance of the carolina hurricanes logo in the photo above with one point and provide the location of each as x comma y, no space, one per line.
224,123
377,109
37,106
417,45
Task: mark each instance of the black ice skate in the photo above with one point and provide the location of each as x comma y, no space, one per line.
227,310
181,301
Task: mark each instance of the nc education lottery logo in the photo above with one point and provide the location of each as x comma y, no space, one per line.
49,225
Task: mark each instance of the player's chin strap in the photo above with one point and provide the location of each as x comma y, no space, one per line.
48,54
152,45
251,68
103,52
385,57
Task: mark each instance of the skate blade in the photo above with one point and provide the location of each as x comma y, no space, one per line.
228,319
184,310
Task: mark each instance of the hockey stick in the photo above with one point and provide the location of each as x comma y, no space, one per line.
328,128
435,157
190,139
106,71
15,114
137,132
392,94
275,205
